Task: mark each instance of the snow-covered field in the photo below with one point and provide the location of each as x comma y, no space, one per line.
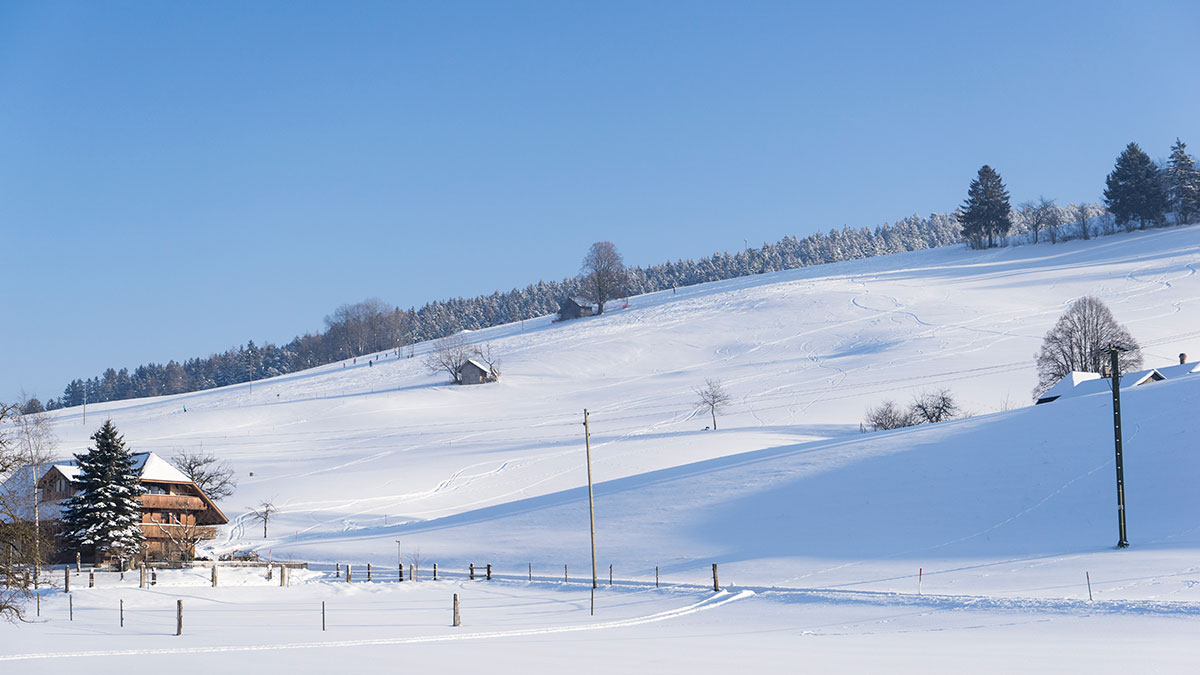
820,531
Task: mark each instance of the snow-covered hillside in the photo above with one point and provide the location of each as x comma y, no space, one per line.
1015,501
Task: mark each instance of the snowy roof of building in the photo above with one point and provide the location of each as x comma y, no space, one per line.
1068,384
478,365
1083,384
149,466
1172,372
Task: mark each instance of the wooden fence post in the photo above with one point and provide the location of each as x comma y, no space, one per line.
368,571
489,571
531,571
348,577
91,579
270,572
412,572
67,580
435,571
142,578
122,613
457,619
78,562
153,577
472,571
322,615
214,575
71,606
716,586
566,580
337,569
179,617
656,576
610,575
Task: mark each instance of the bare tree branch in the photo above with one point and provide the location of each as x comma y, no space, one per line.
214,477
714,397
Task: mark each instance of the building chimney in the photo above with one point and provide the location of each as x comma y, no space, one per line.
1182,358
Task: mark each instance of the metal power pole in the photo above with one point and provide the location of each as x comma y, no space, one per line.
1114,353
587,441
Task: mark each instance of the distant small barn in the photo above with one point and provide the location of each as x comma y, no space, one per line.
474,372
573,308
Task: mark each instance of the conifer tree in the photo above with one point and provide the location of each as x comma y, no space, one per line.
1183,183
103,517
1135,189
986,215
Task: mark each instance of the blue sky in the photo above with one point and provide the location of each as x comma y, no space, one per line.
176,179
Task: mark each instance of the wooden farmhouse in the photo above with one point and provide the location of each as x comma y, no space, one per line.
474,372
176,514
573,308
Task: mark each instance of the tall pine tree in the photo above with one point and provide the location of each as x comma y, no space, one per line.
102,519
986,215
1135,189
1183,184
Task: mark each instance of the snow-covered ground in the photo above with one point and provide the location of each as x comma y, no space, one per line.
1004,515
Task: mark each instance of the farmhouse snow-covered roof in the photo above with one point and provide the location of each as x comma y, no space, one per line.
149,466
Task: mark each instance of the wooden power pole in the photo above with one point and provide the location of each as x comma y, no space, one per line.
1115,352
587,442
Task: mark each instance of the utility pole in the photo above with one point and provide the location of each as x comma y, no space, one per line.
1114,352
587,442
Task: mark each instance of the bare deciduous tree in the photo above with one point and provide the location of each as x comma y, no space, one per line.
452,352
36,443
1079,341
265,511
185,536
931,407
714,397
888,415
603,273
21,546
1081,212
449,355
214,477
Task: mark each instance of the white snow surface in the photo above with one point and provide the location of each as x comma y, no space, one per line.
966,544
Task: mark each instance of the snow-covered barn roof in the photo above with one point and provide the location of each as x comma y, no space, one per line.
1083,384
1067,384
478,365
1172,372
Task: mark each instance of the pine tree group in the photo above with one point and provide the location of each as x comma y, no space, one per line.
103,518
1134,189
1183,184
986,215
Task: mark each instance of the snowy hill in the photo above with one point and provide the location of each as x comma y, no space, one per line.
787,491
983,544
